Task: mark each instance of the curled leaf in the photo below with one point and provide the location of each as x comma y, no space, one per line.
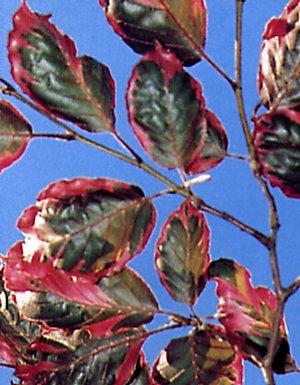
279,70
205,357
182,253
45,65
15,133
178,26
88,226
247,314
277,144
167,112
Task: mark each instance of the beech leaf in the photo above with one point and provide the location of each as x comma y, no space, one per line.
16,333
79,359
204,357
179,26
167,112
141,375
247,315
182,253
15,133
22,275
277,144
213,146
279,70
131,304
92,226
44,64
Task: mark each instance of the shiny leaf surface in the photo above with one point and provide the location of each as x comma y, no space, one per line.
15,133
182,253
205,357
277,145
88,225
178,26
167,112
213,146
131,303
45,65
247,313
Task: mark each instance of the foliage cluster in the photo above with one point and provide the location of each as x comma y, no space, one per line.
72,311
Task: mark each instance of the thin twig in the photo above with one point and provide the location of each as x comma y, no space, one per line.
46,135
237,156
135,338
181,190
292,288
262,238
197,47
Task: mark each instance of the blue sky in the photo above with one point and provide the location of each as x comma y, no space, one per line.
232,187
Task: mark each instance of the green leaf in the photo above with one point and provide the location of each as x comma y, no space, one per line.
247,313
277,144
15,133
178,26
131,303
205,357
88,225
213,147
182,253
78,359
279,70
167,111
45,66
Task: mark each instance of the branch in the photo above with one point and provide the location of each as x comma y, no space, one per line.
129,339
139,163
273,214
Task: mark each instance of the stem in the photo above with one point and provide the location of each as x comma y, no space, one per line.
197,47
52,136
181,190
127,147
237,156
293,288
263,239
136,338
238,77
273,214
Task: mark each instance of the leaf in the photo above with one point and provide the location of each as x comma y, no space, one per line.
279,70
277,144
15,332
21,275
205,357
167,112
131,304
80,360
15,133
213,148
45,66
178,26
247,314
89,226
141,375
182,253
